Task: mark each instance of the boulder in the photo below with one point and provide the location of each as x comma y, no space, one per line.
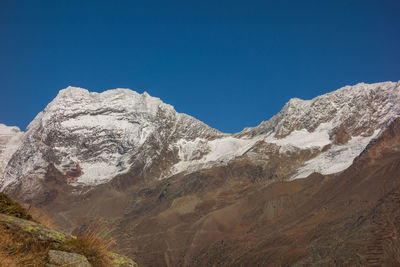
122,261
37,230
61,258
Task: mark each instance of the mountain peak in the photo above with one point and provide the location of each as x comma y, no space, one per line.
73,90
361,104
92,137
297,101
117,99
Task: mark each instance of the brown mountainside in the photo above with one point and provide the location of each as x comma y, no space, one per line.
233,216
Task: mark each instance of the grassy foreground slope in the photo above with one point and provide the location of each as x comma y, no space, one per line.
25,242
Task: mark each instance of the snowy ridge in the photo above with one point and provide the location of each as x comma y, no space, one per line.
98,135
91,138
362,110
357,107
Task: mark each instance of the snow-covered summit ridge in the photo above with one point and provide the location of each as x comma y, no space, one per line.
97,136
346,120
354,107
73,99
338,124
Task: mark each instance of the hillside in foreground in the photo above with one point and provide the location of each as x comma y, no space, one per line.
25,242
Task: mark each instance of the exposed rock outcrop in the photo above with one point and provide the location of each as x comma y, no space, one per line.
62,258
39,231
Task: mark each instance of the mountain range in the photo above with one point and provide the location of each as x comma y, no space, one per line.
315,184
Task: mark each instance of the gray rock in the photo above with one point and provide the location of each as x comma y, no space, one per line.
61,258
122,261
37,230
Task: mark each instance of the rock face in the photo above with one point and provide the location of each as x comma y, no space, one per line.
86,139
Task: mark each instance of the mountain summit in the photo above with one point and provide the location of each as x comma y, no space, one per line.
92,137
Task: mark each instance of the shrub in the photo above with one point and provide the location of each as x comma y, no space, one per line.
90,245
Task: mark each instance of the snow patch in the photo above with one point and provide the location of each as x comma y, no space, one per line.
219,151
95,173
336,159
303,139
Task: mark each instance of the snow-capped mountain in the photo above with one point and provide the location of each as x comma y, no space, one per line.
335,128
90,138
359,109
93,137
339,125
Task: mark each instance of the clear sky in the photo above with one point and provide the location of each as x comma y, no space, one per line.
230,63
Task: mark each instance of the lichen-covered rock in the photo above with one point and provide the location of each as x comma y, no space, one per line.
61,258
122,261
37,230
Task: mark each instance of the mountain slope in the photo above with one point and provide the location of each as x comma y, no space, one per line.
225,217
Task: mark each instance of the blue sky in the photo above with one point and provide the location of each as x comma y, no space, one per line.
230,64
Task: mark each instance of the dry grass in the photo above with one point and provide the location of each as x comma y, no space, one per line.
21,249
41,217
10,207
94,248
94,242
18,249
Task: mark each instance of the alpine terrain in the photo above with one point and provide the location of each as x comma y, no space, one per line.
318,183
